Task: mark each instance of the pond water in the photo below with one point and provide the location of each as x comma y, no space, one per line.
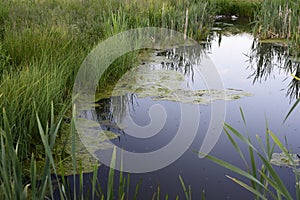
246,67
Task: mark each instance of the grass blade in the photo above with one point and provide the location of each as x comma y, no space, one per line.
243,116
253,165
33,176
281,146
121,179
254,191
110,184
73,149
239,135
237,148
137,187
288,155
272,183
279,184
184,188
233,168
94,181
291,110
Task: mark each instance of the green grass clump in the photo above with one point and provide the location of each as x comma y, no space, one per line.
240,8
280,19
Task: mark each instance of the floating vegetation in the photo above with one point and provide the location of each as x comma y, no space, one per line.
280,159
88,134
201,96
83,158
148,81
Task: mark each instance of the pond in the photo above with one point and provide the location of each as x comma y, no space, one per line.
256,77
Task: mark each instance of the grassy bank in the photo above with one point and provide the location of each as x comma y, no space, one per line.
43,43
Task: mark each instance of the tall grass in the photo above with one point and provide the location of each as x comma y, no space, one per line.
279,19
43,43
244,8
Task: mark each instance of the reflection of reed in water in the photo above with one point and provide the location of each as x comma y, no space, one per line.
183,59
111,112
177,63
265,57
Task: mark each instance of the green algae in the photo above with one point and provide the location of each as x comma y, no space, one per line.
89,133
280,159
168,85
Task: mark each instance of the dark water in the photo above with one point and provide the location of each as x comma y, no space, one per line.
261,69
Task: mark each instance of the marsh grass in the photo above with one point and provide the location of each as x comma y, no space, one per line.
279,19
43,43
240,8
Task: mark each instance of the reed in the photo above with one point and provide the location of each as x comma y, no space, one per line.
43,43
265,183
279,19
243,9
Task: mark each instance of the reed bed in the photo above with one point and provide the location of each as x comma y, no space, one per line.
43,43
279,19
240,8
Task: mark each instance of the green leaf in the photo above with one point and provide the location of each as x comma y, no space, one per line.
253,165
272,183
184,188
110,183
291,110
243,116
282,148
237,148
239,135
280,185
94,181
203,195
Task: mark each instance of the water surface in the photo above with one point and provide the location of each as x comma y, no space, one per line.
244,64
